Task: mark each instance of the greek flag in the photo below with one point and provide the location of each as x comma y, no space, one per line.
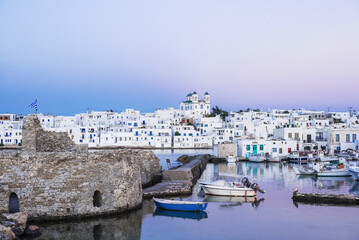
33,105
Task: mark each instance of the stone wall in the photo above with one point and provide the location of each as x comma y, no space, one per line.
227,148
60,185
151,171
35,139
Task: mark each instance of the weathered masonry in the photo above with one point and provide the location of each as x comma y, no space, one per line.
54,178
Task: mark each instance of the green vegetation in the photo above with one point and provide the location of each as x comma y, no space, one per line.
218,111
177,133
337,120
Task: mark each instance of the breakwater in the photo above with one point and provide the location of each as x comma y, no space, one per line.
178,181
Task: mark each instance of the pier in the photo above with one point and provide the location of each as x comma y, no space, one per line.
178,181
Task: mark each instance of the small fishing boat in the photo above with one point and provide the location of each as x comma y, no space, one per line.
256,158
180,205
212,198
298,157
231,158
304,171
181,214
331,171
240,191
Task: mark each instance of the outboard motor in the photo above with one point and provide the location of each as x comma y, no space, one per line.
256,188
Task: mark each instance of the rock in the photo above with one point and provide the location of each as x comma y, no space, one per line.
32,231
20,218
6,233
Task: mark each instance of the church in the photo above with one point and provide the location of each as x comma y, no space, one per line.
194,107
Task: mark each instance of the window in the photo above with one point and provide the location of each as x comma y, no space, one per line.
289,135
261,147
354,137
289,150
274,149
337,137
248,147
97,199
280,150
14,205
347,138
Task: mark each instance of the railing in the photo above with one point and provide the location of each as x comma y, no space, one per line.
319,139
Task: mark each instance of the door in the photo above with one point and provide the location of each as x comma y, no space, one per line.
254,149
309,138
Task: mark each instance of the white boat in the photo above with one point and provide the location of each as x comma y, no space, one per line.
338,171
354,170
329,158
231,158
256,158
303,171
235,191
298,157
211,198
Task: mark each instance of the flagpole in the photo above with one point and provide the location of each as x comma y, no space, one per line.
36,106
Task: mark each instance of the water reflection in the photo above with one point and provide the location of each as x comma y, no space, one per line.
276,175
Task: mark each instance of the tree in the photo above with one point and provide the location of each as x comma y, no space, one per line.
177,133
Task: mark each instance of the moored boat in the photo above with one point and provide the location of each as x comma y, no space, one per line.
331,171
231,158
180,205
298,157
240,191
181,214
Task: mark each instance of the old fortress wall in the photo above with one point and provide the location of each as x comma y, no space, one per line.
54,178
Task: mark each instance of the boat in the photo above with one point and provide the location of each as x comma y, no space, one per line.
181,214
240,191
298,157
304,171
329,158
231,158
331,171
180,205
354,170
217,183
212,198
256,158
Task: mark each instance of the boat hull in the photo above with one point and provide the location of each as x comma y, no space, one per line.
180,206
334,173
228,191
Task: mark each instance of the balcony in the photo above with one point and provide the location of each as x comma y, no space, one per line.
320,139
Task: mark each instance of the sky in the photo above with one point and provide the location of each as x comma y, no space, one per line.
99,55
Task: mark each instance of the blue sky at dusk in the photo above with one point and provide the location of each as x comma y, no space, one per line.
74,55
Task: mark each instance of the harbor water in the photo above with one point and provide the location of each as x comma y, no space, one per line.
272,215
